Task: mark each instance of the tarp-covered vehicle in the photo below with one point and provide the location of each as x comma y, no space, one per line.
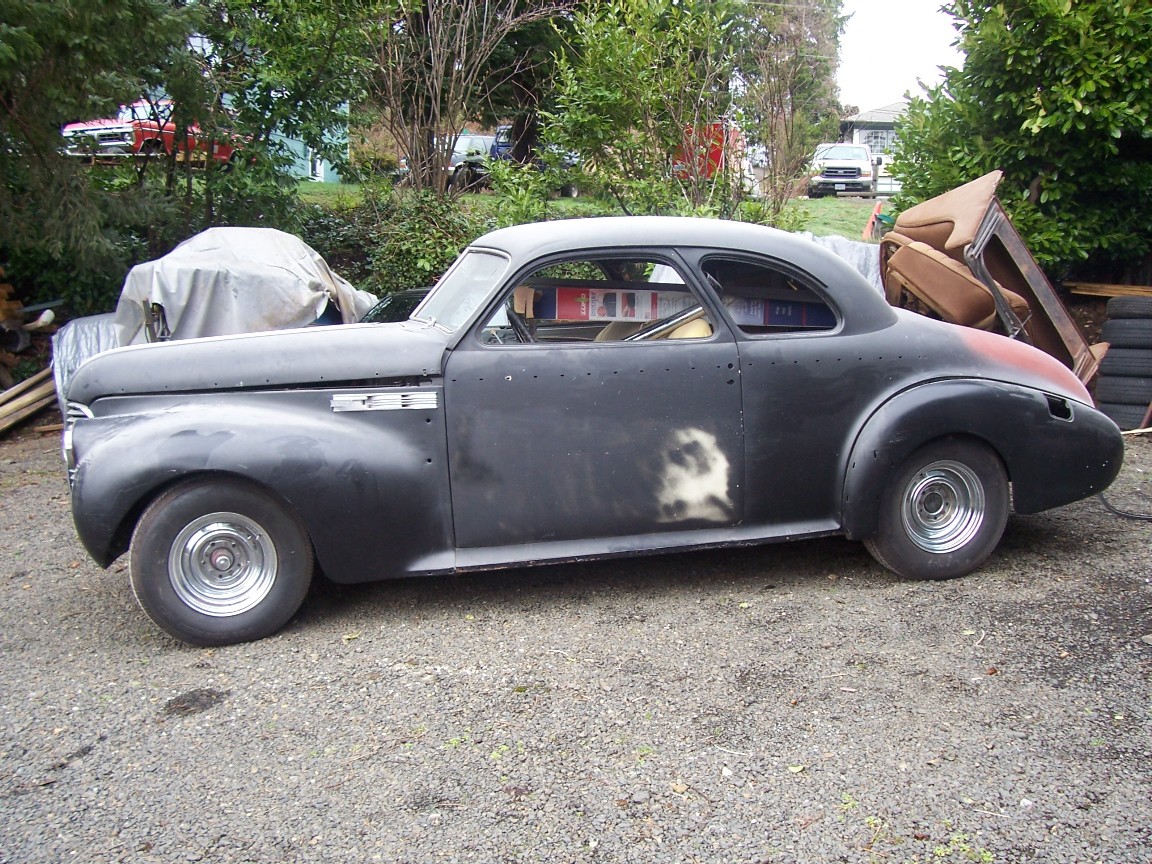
222,281
570,390
233,280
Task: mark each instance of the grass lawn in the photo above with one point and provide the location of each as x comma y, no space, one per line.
337,196
845,217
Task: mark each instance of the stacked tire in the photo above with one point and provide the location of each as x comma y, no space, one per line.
1124,386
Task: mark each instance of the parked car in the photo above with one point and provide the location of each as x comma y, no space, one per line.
466,150
155,138
838,168
569,390
474,168
113,136
145,128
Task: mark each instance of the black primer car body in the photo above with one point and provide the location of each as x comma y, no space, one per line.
569,390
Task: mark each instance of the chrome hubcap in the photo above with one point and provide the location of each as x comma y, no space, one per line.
943,507
222,564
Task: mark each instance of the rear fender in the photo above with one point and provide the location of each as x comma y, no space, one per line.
1055,450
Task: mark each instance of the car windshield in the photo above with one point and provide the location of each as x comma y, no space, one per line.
841,151
464,287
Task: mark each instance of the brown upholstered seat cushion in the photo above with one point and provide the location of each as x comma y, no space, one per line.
948,222
948,288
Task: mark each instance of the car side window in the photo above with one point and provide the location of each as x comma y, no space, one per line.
763,300
599,300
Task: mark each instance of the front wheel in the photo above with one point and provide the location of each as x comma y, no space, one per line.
219,561
943,511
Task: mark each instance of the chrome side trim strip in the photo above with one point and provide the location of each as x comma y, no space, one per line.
418,400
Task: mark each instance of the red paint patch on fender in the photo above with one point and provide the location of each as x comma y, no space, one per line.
1034,366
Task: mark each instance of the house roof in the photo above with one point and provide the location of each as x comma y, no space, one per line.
879,116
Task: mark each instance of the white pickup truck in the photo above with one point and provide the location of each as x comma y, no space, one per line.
840,168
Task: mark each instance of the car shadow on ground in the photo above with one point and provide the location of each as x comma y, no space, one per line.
704,575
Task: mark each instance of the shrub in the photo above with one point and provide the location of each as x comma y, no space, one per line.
396,239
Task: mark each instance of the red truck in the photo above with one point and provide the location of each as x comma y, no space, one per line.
142,128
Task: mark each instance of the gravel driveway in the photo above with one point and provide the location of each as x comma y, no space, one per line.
792,703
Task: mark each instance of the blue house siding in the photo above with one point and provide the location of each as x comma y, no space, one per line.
306,165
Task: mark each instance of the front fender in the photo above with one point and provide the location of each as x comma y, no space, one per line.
370,487
1055,450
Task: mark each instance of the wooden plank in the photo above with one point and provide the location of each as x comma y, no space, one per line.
1104,289
25,385
47,389
11,419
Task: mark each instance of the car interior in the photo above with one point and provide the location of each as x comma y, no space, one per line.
635,300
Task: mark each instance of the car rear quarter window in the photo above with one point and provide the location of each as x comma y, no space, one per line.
762,300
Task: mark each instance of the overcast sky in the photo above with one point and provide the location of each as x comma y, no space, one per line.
888,45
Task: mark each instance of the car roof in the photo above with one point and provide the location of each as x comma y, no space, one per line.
533,241
559,235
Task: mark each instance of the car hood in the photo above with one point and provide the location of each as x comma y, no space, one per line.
94,125
309,356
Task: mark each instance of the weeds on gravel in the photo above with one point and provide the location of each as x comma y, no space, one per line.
958,845
459,740
957,850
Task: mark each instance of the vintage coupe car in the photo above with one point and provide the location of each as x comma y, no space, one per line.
569,390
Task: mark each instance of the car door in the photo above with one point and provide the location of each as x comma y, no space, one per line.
807,384
574,427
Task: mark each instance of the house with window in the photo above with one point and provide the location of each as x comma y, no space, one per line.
876,128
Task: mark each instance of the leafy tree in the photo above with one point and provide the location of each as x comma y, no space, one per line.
258,71
291,67
247,70
434,71
62,61
1058,94
519,81
639,99
789,102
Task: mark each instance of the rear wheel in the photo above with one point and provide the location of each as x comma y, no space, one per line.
214,562
943,511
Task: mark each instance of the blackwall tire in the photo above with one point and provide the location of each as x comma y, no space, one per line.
1130,307
1124,391
1125,416
1127,362
943,511
1127,332
219,561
